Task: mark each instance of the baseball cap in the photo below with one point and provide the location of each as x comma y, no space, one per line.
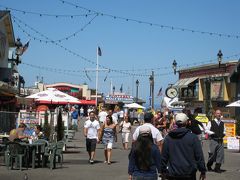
144,130
181,118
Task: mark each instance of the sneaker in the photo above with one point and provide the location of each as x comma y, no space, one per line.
91,161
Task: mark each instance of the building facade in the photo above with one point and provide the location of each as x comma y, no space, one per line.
207,87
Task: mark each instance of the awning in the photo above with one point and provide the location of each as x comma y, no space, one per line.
184,82
87,102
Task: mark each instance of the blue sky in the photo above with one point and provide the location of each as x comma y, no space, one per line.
126,45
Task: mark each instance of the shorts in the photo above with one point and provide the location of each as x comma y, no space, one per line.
125,137
91,144
109,145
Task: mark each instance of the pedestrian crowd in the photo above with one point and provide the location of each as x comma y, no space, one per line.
165,144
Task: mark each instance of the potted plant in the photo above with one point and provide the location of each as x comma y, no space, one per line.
46,126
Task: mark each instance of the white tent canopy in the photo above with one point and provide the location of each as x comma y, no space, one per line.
134,106
234,104
53,96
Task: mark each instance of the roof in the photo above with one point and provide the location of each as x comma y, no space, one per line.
64,84
185,82
207,66
6,18
3,13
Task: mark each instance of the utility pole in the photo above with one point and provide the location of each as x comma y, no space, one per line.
151,98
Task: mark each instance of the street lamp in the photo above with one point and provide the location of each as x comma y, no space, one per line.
151,98
219,55
18,51
174,66
137,85
113,89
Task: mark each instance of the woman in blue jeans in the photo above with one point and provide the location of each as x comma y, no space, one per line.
144,158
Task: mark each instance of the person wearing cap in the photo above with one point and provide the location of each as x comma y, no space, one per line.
145,157
156,134
216,130
182,153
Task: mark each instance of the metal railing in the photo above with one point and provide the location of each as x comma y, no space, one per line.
7,121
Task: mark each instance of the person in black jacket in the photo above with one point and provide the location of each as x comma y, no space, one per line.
182,153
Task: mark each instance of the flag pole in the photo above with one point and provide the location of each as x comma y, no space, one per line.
97,77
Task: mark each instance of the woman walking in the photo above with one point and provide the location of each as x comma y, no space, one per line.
109,132
144,158
125,127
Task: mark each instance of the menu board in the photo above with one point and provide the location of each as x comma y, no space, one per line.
230,126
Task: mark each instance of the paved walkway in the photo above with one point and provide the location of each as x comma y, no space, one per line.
76,166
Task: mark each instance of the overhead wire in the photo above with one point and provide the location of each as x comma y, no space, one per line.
152,24
92,12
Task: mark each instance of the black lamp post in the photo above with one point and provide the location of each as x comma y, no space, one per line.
151,98
19,50
174,66
137,85
113,90
219,55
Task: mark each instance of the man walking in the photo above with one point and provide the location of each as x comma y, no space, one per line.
156,134
182,153
91,132
216,131
74,116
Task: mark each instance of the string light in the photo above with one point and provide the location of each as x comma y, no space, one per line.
66,49
48,15
154,24
92,12
62,39
113,70
126,71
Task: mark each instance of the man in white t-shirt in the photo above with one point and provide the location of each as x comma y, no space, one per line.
102,115
156,134
91,132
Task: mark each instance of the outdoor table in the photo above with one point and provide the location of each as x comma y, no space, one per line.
33,149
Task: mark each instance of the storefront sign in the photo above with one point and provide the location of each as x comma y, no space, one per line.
217,89
114,99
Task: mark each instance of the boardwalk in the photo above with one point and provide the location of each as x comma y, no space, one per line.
76,166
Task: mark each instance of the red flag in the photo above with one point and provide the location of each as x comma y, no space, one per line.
99,51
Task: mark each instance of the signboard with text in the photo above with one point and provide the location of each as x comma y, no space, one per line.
114,99
233,143
230,127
